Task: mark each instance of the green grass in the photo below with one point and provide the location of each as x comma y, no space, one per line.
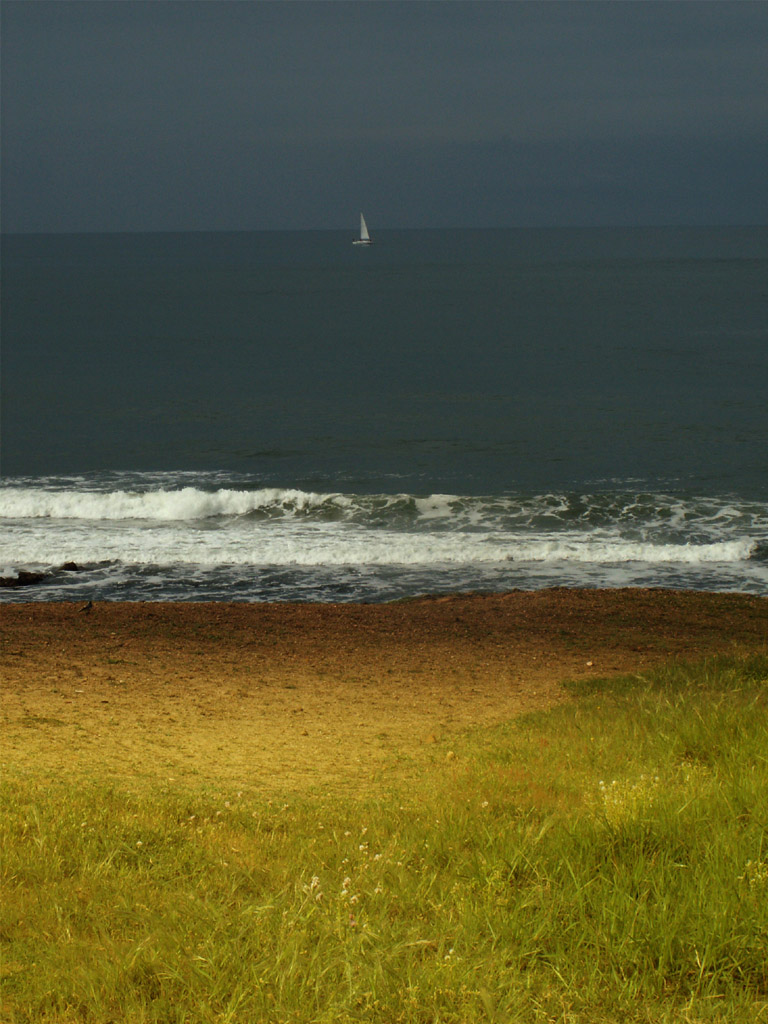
603,862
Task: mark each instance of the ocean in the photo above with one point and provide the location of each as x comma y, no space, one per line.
282,416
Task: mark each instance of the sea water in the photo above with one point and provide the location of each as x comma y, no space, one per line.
285,416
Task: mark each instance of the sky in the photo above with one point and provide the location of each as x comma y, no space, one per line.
173,115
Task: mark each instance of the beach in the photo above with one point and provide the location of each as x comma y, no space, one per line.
302,697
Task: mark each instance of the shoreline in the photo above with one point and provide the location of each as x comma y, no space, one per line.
297,696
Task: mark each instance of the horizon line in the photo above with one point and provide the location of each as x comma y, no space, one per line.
347,230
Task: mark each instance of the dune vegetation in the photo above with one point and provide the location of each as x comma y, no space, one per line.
602,861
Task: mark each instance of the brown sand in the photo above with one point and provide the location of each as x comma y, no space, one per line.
281,696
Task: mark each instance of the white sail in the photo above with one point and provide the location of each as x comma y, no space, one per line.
365,238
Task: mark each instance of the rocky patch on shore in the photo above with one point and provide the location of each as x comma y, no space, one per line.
25,578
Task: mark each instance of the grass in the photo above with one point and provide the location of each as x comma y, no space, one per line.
603,862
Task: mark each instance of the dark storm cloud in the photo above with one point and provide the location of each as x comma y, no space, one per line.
210,114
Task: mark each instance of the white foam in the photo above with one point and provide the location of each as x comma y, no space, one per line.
297,542
557,537
436,506
186,503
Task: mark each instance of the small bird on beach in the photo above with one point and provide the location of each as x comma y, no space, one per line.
87,606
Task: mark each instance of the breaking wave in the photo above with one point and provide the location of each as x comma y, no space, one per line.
186,503
508,539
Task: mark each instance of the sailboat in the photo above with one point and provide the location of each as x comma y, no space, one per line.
365,238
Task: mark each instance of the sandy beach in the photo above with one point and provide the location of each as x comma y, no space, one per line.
294,697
